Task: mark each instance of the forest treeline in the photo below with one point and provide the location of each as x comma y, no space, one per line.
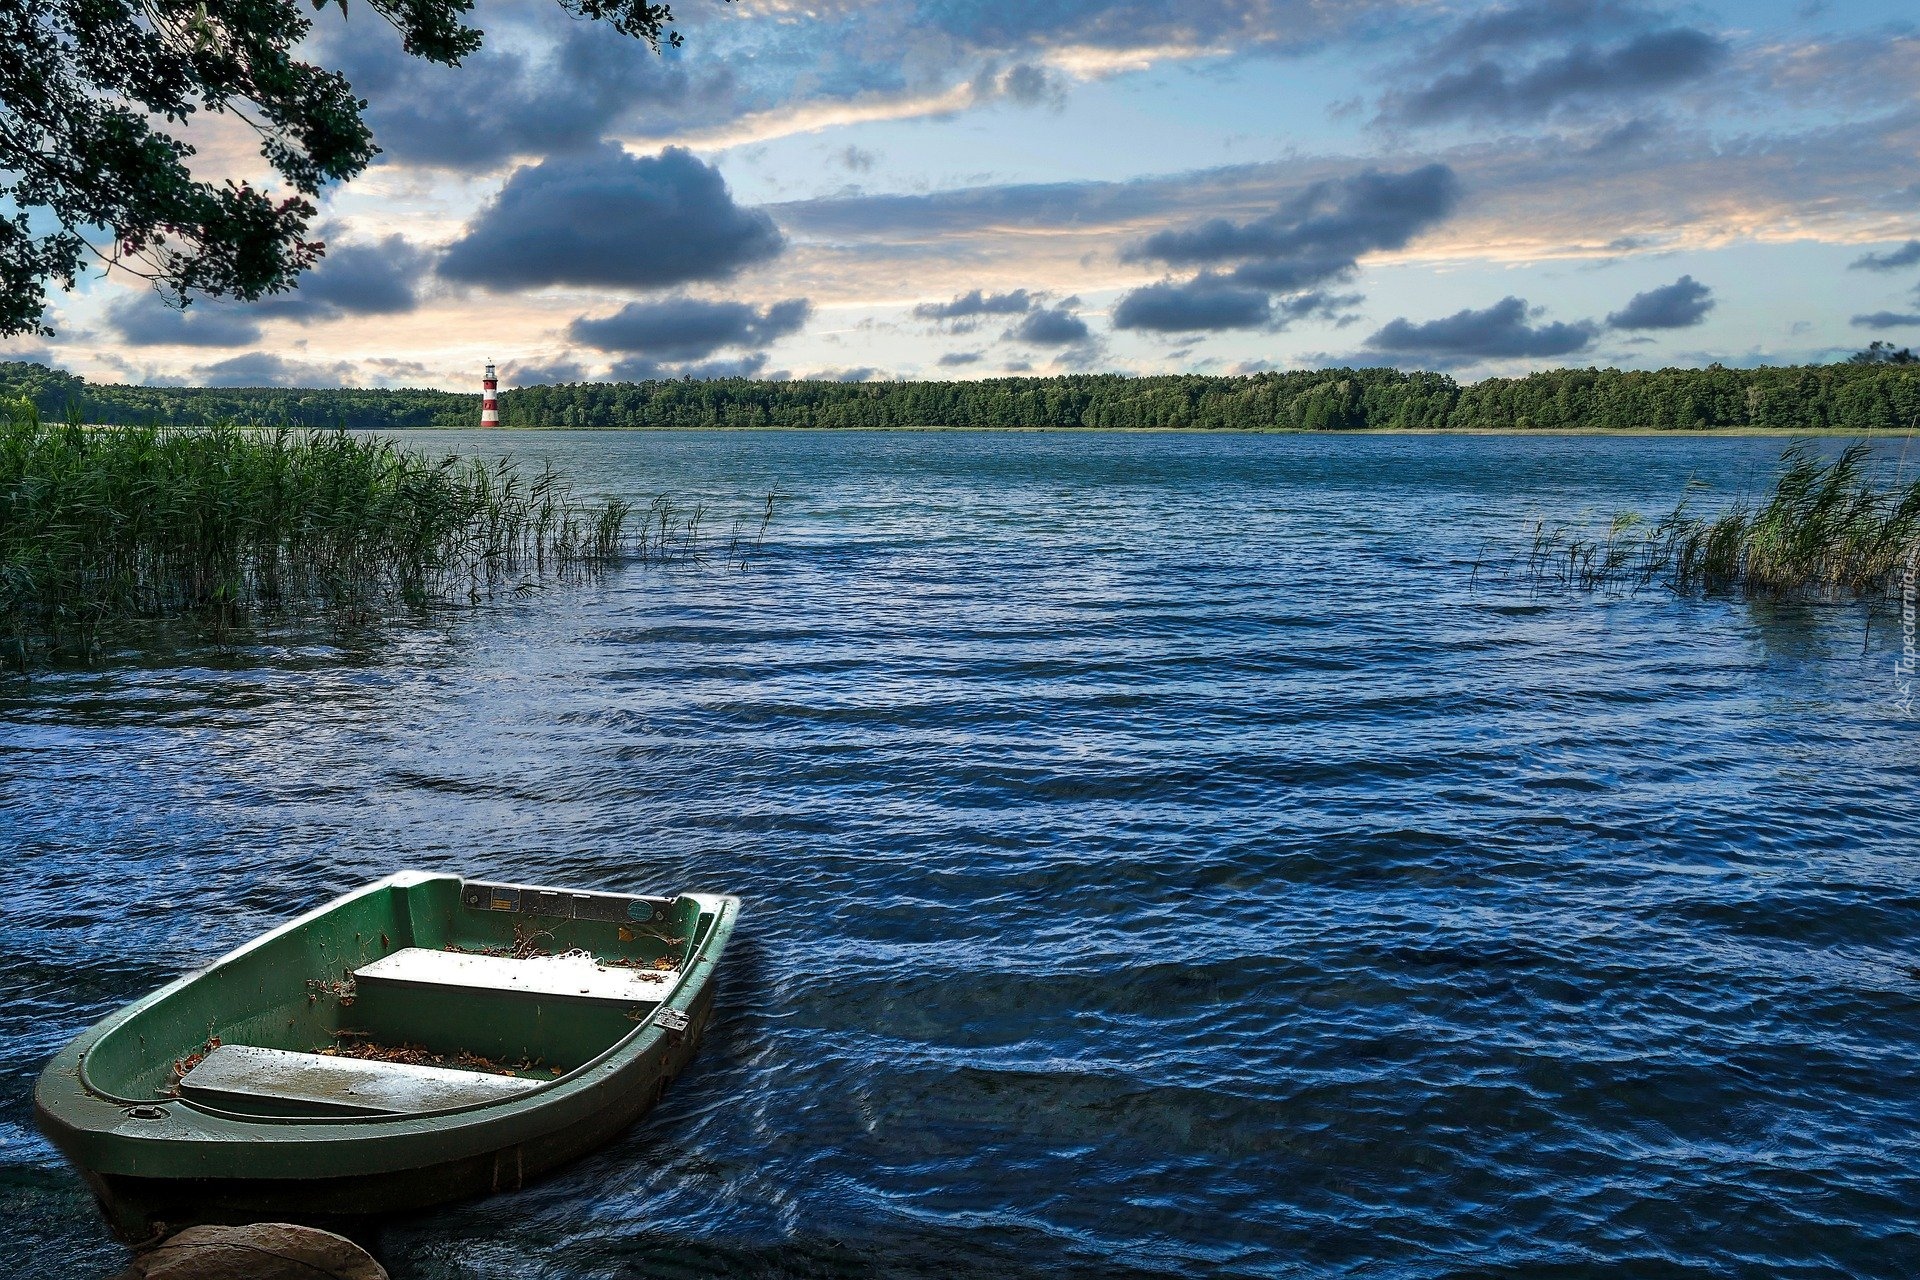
1860,395
56,393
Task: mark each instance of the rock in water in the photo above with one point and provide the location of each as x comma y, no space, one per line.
263,1251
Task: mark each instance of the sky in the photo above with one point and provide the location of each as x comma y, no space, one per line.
861,189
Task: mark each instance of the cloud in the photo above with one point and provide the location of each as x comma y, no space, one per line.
688,328
14,353
609,219
1906,255
354,278
1501,331
860,373
146,320
1320,305
1532,197
1679,305
1317,235
1029,85
264,369
1623,138
1528,199
955,359
1205,303
1887,320
975,303
1535,22
1875,68
1050,327
385,371
1141,24
642,369
855,159
1581,76
529,373
1021,206
544,83
380,277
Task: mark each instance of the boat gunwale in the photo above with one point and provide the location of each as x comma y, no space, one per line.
632,1047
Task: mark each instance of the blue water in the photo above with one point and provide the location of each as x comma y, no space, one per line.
1163,856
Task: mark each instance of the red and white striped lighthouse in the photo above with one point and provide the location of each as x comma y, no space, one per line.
490,399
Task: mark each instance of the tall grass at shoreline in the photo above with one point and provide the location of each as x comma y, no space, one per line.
227,525
1828,532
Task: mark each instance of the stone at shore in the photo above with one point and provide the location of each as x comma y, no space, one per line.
263,1251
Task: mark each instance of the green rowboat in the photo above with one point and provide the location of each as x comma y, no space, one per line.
420,1040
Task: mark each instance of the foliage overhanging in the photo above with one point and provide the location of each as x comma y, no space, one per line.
96,101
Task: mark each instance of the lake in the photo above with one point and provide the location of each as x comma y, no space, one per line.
1163,856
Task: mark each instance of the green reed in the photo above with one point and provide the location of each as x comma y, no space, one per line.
1828,532
226,524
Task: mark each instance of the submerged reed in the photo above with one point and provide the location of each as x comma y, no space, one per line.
1828,532
227,524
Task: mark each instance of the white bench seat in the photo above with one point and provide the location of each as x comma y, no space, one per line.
571,977
243,1078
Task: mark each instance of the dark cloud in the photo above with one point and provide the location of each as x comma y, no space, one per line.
976,303
1205,303
1906,255
856,159
955,359
1050,327
1887,320
1315,236
363,279
610,219
367,278
524,373
146,320
641,369
542,84
1679,305
1320,305
1501,331
688,328
1319,233
1581,76
264,369
1540,21
1024,83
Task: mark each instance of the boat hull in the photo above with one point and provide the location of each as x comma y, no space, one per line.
156,1168
139,1209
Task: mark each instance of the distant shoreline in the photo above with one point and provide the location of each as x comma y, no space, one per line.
1851,397
1684,433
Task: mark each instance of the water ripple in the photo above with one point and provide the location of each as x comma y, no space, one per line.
1163,857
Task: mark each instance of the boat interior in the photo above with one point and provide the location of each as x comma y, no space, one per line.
420,994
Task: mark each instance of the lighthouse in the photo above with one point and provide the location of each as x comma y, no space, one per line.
490,399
